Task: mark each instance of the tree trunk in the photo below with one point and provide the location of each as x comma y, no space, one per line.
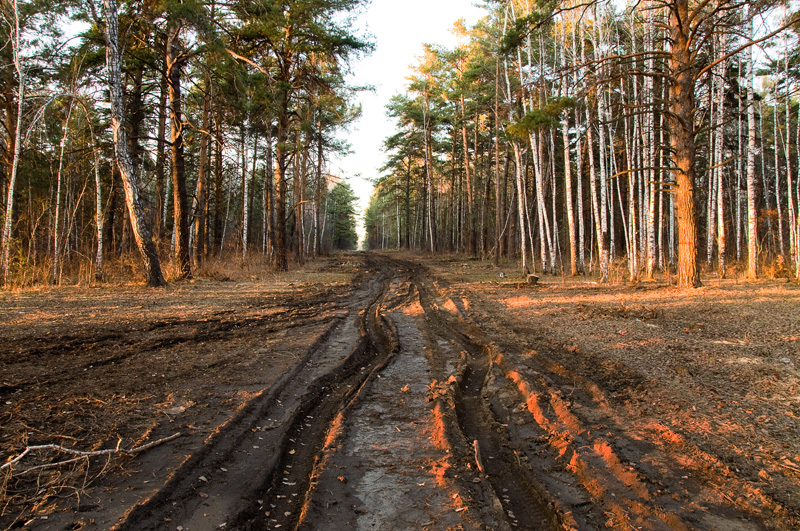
468,176
788,151
180,202
161,158
682,141
498,212
137,116
778,206
281,256
517,165
269,185
752,209
202,177
59,180
720,170
15,146
141,231
245,190
219,184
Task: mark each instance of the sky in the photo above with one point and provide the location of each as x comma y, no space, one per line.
399,29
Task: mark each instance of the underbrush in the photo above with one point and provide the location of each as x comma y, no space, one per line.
127,268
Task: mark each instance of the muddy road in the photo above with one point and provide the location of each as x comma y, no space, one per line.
395,401
382,425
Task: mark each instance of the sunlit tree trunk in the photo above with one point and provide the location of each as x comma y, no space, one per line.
650,188
429,203
764,181
579,161
202,177
161,159
498,206
180,200
299,195
604,233
680,119
752,211
711,228
16,144
719,154
57,232
573,244
245,187
778,206
517,164
141,231
788,149
468,180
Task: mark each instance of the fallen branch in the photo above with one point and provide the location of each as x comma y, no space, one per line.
789,467
82,454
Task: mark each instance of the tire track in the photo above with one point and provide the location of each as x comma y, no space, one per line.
240,470
287,491
390,464
523,499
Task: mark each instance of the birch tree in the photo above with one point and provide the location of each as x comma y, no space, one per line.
141,230
16,44
752,209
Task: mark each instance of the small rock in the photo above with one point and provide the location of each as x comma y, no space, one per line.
786,360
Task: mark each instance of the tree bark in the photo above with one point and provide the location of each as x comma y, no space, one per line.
180,203
245,190
219,182
468,176
752,209
282,156
141,231
161,158
202,177
59,180
17,140
682,141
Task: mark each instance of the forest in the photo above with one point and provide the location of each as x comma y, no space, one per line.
172,132
655,136
639,162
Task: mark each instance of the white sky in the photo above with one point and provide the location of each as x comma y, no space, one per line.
399,29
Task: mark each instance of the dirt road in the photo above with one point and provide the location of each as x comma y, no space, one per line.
395,402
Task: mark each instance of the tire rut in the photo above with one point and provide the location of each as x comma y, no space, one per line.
265,456
288,488
389,464
523,499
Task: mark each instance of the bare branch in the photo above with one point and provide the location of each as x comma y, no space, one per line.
83,454
794,20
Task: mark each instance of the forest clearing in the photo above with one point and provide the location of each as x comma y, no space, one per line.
350,393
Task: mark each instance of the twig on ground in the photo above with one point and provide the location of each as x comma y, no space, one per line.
789,467
82,454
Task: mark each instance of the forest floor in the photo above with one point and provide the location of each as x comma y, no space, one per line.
370,391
